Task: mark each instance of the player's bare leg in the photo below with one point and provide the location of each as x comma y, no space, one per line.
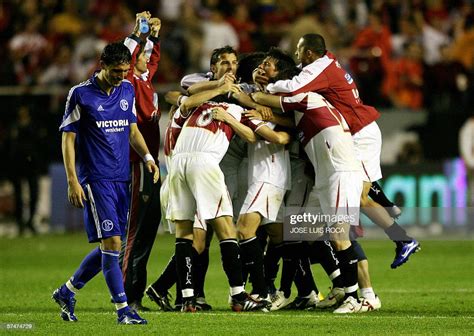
275,232
369,300
406,245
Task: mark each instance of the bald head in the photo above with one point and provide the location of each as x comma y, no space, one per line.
310,47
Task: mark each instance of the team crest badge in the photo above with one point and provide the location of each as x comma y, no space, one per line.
124,105
145,198
205,118
107,225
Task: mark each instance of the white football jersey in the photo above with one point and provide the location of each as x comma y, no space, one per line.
270,163
202,134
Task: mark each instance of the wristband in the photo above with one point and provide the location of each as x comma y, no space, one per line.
148,157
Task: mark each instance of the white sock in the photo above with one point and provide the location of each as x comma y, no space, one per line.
187,293
236,290
367,293
121,305
70,286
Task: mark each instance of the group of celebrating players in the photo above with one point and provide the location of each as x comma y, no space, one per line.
198,139
249,143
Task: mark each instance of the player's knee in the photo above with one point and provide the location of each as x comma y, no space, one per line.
364,197
340,245
111,243
199,247
244,231
275,233
199,241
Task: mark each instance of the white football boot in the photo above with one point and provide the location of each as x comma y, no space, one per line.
279,300
334,298
349,306
370,305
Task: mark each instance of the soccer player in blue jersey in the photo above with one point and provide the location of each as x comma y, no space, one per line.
100,121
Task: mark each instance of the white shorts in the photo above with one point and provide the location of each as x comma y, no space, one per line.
368,146
170,226
199,223
164,198
197,186
339,199
264,198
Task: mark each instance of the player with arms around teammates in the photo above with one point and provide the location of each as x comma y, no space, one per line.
322,73
100,120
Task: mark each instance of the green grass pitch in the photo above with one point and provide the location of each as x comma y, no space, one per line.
432,294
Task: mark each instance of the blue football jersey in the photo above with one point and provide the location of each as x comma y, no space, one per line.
102,126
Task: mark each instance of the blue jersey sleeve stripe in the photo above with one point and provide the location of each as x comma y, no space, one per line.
134,109
74,116
68,112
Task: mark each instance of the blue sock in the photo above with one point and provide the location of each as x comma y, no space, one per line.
90,266
113,276
123,310
65,292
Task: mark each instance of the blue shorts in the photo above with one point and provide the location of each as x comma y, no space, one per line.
106,209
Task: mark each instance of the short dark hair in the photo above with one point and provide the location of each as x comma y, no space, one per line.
315,43
219,51
285,65
116,53
247,64
283,60
287,73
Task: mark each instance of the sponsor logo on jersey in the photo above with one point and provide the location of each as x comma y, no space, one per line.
100,108
107,225
112,123
348,78
124,105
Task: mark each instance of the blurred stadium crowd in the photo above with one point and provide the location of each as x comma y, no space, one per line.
404,53
416,55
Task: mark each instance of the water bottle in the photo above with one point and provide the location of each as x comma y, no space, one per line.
143,25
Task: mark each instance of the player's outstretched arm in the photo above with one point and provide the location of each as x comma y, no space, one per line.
266,99
201,97
228,77
173,97
282,120
245,100
281,138
245,132
139,145
153,39
75,193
